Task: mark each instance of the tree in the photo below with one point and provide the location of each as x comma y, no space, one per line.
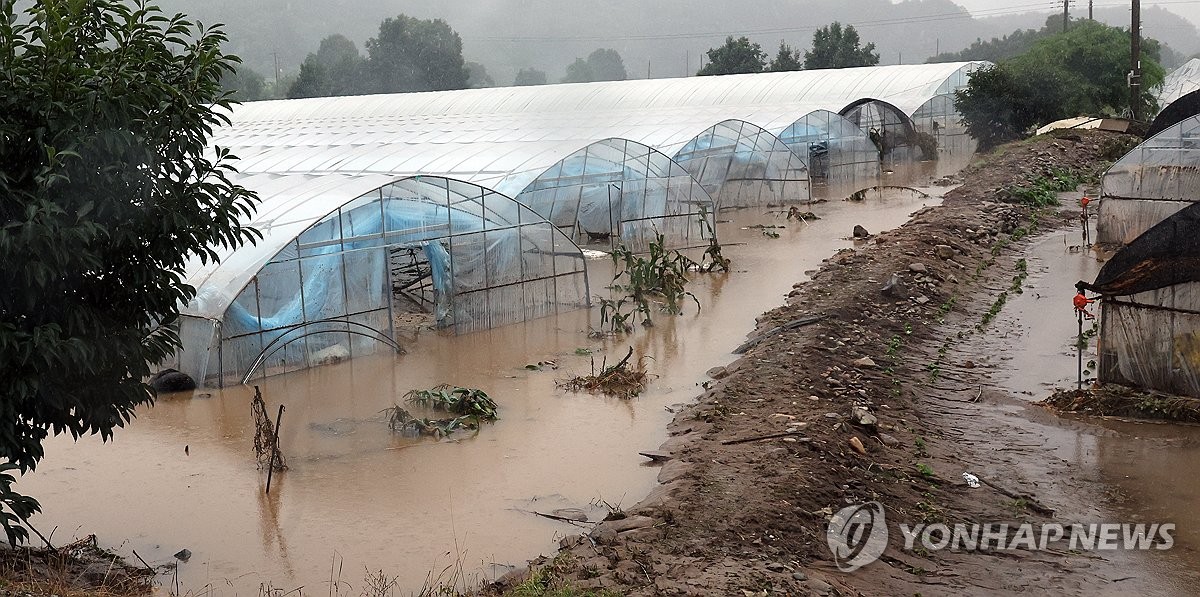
736,56
243,83
530,76
835,47
335,69
106,191
602,64
478,76
416,55
606,65
786,59
1067,74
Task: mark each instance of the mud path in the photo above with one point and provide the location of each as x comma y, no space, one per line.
769,452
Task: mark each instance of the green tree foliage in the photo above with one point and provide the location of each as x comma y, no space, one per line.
786,59
530,76
478,77
416,55
602,64
1068,74
335,69
106,191
735,56
244,84
835,47
999,49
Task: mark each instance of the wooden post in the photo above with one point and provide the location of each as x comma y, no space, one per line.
275,442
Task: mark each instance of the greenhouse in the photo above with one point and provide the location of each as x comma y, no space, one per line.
618,190
348,260
889,128
1150,308
741,165
841,157
465,210
1154,180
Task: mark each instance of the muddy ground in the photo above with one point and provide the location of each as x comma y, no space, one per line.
754,468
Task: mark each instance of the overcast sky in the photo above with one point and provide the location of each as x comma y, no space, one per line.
1189,9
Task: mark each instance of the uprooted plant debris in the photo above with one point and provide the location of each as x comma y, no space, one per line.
264,434
470,405
625,379
78,568
1122,401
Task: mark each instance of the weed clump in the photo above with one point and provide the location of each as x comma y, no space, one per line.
626,379
469,405
264,435
1042,191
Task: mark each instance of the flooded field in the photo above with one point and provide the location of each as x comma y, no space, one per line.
358,499
1147,466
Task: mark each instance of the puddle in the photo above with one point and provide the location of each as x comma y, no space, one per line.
358,499
1148,467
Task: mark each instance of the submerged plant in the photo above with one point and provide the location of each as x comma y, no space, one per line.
625,379
469,404
659,278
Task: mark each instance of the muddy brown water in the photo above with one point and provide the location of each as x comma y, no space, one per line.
1149,468
357,498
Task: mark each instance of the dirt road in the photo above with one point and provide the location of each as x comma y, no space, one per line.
882,400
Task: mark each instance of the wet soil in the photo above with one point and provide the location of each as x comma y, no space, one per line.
735,515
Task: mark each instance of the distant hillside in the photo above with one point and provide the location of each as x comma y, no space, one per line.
666,37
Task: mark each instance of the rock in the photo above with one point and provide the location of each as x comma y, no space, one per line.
513,578
858,446
656,456
888,440
717,372
819,586
894,287
944,251
860,232
170,380
776,567
863,417
921,299
799,576
604,535
864,362
183,555
917,267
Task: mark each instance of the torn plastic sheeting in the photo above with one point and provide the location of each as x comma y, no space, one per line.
1165,255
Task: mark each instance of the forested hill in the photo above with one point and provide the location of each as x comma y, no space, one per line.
507,35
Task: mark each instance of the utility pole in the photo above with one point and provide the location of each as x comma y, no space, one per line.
276,55
647,68
1066,14
1090,17
1135,74
687,63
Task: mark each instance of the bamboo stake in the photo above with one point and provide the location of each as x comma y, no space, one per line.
274,449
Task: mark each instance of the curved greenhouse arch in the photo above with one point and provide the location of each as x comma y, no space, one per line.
618,191
352,269
841,157
1153,181
1174,112
888,127
743,165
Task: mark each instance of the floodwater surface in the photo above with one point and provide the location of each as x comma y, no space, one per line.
1149,468
357,499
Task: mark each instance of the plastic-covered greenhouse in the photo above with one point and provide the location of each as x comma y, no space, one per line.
841,157
465,209
1158,178
1150,312
345,261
